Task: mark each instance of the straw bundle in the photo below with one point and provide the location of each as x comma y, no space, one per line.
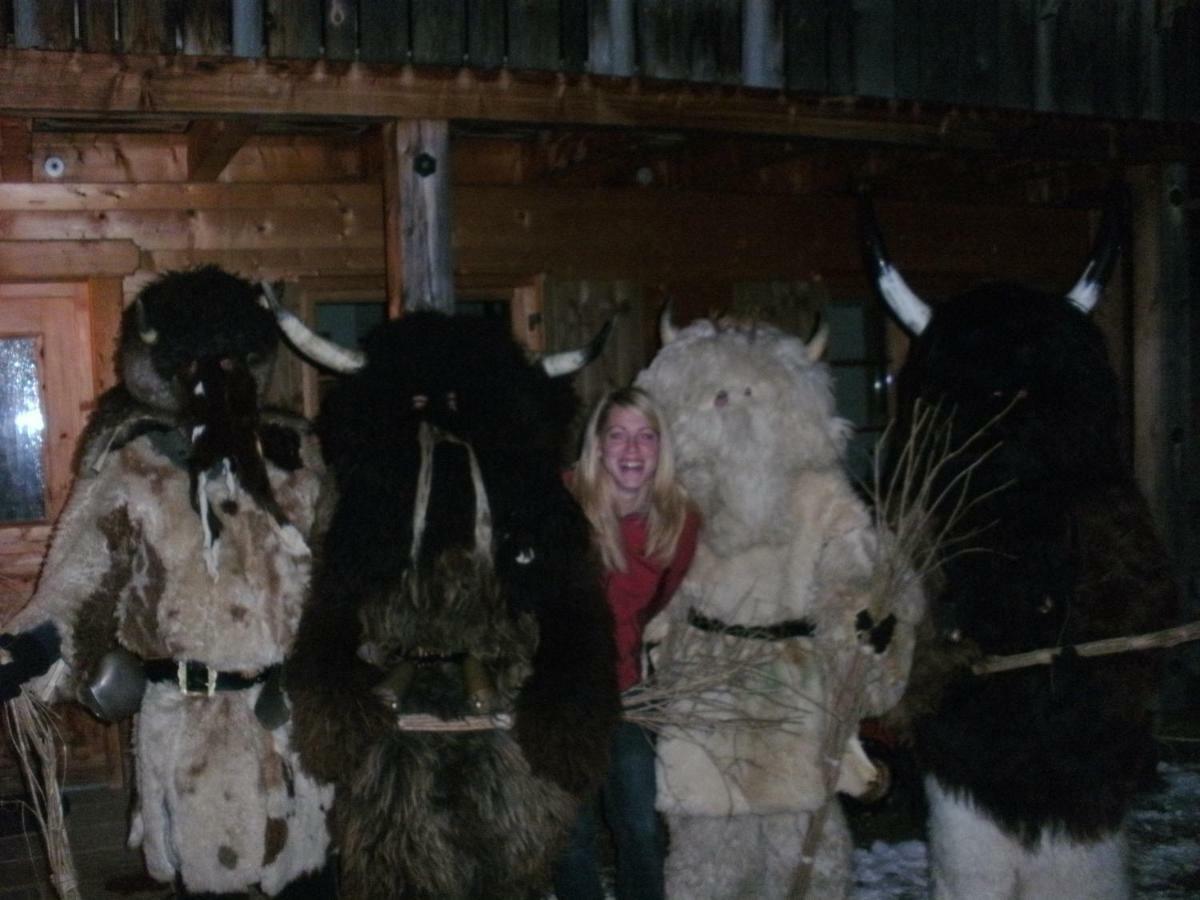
31,728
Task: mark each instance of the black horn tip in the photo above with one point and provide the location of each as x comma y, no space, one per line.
1110,236
596,346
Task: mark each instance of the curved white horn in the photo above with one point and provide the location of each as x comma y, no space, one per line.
911,310
1106,249
667,331
147,333
569,362
315,348
819,341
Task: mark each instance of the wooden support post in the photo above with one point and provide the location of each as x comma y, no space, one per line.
1166,389
1161,355
526,313
420,262
212,143
105,305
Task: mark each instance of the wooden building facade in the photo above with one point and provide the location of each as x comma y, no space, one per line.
556,161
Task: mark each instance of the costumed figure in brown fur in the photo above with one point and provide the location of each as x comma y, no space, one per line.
173,589
454,673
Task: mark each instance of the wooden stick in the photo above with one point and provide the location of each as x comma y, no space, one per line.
1168,637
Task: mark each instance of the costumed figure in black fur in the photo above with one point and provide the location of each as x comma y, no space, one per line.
173,589
1031,772
454,673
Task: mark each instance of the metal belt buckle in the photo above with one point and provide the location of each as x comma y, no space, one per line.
185,686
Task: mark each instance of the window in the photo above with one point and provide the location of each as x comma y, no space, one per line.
22,431
346,322
46,389
858,359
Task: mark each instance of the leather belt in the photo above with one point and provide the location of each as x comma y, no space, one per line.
789,628
199,678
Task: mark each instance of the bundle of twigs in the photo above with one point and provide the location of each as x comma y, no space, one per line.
916,532
919,507
703,690
31,728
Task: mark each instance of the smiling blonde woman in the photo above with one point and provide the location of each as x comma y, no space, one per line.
646,530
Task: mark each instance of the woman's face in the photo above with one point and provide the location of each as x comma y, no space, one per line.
629,454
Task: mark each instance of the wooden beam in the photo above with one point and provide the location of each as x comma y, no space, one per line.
66,260
16,152
393,224
1163,408
354,200
212,143
514,232
105,305
275,262
662,236
55,83
418,208
180,229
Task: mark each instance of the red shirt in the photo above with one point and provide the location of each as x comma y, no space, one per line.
643,589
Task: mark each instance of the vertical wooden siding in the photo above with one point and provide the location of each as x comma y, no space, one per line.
1109,58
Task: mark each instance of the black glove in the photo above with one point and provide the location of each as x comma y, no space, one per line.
31,653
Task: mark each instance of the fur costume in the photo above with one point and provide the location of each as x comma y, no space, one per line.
456,583
1031,772
788,560
173,556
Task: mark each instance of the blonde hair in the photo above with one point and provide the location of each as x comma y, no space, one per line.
667,502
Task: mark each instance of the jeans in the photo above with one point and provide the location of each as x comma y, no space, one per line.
627,800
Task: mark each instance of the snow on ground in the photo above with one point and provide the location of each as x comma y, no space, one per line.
1164,848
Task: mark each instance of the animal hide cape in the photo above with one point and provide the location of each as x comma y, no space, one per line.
221,801
789,561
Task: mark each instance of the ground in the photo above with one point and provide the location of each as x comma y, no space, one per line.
890,861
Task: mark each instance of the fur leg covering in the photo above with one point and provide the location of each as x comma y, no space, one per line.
754,857
462,815
972,859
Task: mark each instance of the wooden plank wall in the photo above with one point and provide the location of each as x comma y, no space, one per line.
306,207
1110,58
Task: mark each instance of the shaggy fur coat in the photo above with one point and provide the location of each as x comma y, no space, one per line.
1032,772
449,540
788,548
221,800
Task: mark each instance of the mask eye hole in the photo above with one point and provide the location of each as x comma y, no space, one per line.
721,399
748,392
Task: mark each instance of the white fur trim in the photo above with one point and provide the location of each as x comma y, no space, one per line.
973,859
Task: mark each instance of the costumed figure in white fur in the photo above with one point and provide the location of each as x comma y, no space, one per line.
173,588
789,576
